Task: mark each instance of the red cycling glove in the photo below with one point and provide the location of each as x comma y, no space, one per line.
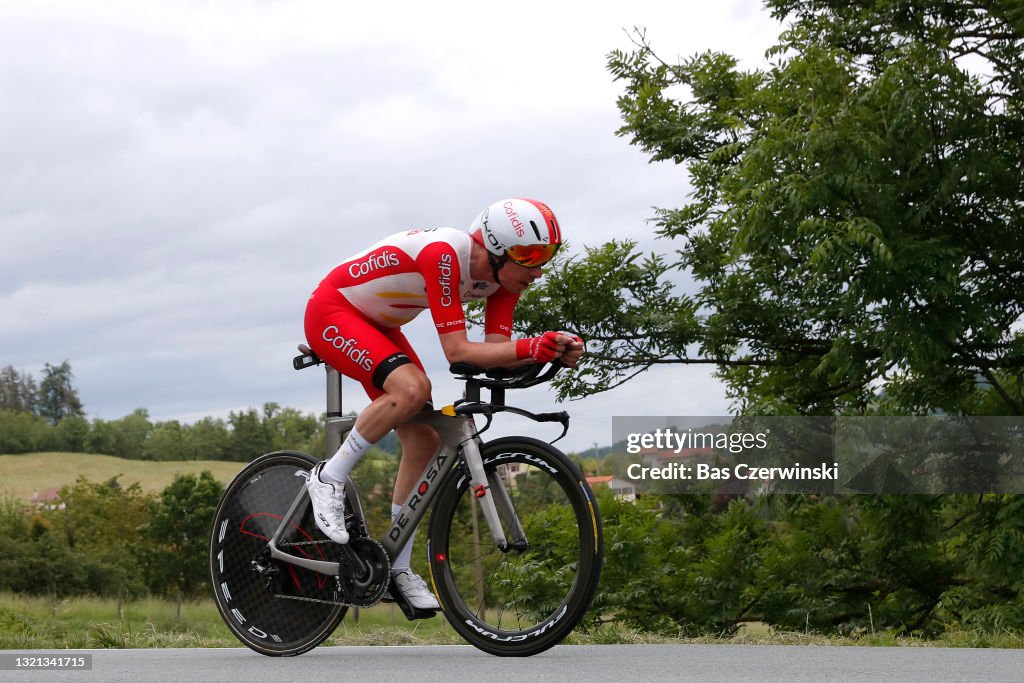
542,349
574,337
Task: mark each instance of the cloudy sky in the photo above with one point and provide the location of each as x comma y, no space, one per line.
177,176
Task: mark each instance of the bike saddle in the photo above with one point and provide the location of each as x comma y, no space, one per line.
307,358
464,369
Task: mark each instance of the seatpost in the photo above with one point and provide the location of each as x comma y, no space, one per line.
334,426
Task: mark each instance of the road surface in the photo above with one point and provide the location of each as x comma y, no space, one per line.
591,663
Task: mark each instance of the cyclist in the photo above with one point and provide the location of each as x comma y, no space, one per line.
353,322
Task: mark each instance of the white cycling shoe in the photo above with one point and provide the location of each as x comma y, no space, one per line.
328,506
415,590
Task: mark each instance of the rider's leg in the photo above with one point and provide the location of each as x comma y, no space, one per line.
384,363
406,391
419,443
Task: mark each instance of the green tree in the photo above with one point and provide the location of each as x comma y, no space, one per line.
18,391
853,238
986,545
207,439
249,436
291,429
22,432
177,533
375,476
854,222
131,433
96,529
71,433
58,397
102,437
166,442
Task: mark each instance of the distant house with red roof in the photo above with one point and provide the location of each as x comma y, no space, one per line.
621,488
48,499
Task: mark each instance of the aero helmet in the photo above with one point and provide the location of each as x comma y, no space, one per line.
521,230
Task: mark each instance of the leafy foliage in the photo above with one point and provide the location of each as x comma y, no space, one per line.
853,233
23,432
49,416
687,573
854,218
84,542
18,391
852,565
635,323
177,532
58,397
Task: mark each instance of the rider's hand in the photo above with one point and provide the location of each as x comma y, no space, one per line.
543,349
573,350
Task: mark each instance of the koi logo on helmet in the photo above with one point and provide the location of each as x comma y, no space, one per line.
360,357
488,233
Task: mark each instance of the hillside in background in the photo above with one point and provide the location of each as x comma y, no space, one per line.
32,474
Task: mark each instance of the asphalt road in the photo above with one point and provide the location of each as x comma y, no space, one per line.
591,663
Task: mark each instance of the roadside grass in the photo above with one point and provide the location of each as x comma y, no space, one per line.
32,622
763,634
36,623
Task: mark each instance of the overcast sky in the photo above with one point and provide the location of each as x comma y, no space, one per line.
176,177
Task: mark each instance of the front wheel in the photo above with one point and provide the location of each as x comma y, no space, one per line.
523,600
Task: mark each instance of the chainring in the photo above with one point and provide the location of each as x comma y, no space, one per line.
365,591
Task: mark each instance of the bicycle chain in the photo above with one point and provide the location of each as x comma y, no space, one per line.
303,598
316,600
320,601
287,544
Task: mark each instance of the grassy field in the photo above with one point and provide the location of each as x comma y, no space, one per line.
24,475
86,622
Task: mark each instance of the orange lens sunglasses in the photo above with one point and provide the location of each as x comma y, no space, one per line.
532,255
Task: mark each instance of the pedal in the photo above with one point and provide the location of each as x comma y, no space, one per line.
411,613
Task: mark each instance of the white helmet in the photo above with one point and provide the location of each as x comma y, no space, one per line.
522,230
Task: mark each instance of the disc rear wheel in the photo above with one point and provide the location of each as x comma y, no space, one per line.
275,608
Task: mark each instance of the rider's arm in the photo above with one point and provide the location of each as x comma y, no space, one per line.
498,351
498,312
495,351
498,329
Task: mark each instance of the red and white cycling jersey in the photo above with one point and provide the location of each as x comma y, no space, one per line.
402,275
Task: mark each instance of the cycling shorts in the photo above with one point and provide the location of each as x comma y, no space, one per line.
352,345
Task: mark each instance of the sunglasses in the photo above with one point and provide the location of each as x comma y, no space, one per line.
532,255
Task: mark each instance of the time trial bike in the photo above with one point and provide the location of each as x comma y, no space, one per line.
282,587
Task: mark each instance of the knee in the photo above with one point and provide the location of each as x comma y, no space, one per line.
411,396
